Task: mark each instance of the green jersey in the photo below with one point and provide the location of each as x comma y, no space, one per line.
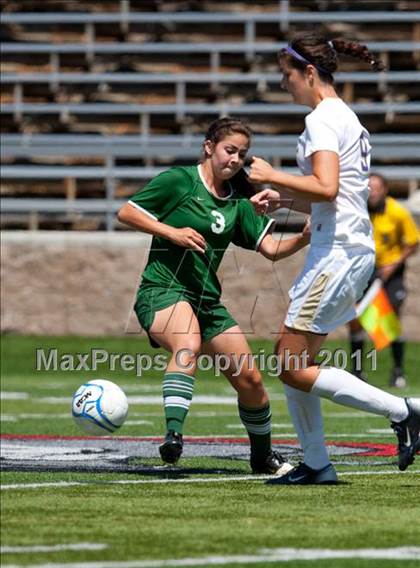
179,197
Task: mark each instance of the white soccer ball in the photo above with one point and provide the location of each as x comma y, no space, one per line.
99,407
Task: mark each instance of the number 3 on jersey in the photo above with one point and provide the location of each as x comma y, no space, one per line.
219,224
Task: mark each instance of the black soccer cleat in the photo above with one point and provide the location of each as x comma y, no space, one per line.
274,464
305,475
171,449
407,432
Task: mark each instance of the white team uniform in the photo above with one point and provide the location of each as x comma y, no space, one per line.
341,257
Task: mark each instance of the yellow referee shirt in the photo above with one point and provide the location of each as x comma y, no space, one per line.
392,230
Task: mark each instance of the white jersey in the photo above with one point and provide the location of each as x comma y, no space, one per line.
333,126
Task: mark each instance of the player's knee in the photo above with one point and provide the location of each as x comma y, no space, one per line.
188,352
251,380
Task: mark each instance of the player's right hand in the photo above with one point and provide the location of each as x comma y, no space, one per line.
188,238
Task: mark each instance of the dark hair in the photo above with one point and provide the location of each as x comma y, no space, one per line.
223,127
317,50
380,177
241,184
217,131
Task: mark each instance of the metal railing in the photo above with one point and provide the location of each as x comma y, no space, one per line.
249,20
197,77
385,146
375,16
114,48
214,50
109,205
184,109
179,81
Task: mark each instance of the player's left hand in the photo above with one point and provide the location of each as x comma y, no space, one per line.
306,232
260,171
307,227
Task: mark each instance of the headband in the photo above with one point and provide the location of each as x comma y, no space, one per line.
300,57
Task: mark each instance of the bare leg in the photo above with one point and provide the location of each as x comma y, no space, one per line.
176,329
240,369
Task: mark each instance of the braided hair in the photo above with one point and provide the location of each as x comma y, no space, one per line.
317,50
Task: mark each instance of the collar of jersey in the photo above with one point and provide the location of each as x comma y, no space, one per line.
203,181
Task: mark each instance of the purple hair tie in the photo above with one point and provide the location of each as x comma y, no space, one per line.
300,57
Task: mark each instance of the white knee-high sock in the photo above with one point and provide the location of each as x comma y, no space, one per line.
342,387
305,411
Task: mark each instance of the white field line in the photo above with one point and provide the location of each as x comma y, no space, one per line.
150,399
137,422
273,555
155,399
199,414
36,416
42,416
65,484
367,434
51,548
141,388
359,414
39,416
380,430
204,413
156,388
279,426
9,395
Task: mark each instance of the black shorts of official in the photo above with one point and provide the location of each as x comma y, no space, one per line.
395,288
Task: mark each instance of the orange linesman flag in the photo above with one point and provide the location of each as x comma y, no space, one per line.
377,316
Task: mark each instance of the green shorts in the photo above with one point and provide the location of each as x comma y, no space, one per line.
212,316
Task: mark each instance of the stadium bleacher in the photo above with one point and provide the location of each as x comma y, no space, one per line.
97,98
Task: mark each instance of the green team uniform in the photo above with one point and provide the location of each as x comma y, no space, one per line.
179,197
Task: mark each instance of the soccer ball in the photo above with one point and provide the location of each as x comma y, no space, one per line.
99,407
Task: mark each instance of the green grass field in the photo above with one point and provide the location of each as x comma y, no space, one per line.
201,517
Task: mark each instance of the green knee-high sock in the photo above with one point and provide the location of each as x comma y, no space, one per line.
257,422
177,394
